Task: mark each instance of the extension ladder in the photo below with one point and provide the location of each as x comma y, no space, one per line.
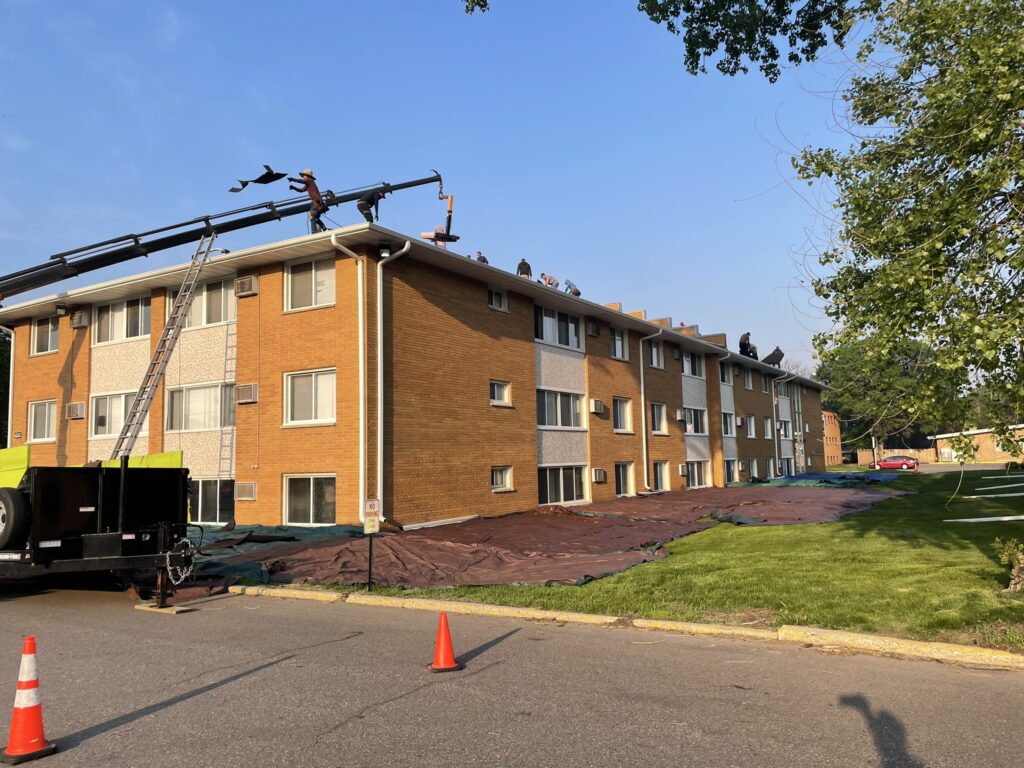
164,348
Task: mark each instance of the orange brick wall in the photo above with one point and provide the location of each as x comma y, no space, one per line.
814,441
714,390
666,386
754,401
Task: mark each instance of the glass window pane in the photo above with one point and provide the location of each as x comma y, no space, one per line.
174,408
542,486
201,404
298,500
554,486
101,416
193,500
301,398
301,294
563,328
324,282
565,402
208,501
574,332
568,489
227,501
325,395
134,318
214,303
227,405
232,302
577,473
103,324
38,421
117,324
323,500
144,327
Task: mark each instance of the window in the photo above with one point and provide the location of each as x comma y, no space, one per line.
696,423
123,320
752,468
211,406
771,466
211,502
620,350
44,335
748,379
783,389
310,284
624,479
109,413
309,397
559,485
497,300
501,479
309,500
693,364
696,474
767,421
660,478
723,373
786,467
559,409
500,393
212,303
556,327
729,425
658,425
732,471
42,421
657,359
622,414
785,429
751,426
766,384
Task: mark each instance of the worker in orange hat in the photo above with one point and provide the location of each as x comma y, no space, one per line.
316,203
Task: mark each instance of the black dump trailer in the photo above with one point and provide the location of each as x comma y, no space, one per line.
76,519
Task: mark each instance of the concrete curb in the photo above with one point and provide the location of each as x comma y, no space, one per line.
823,639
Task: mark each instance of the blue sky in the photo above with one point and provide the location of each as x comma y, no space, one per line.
569,132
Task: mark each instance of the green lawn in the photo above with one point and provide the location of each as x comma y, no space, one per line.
896,569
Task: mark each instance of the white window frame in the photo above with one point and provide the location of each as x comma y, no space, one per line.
497,299
769,428
285,498
119,314
221,518
656,358
659,426
577,398
702,416
223,422
766,384
628,487
49,421
734,475
748,378
316,420
505,479
751,426
125,405
752,468
725,373
504,390
728,424
660,477
550,322
322,260
771,467
783,389
703,467
581,468
785,429
620,343
52,336
627,413
689,358
198,311
786,466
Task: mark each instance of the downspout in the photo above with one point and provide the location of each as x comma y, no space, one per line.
380,367
361,303
10,389
643,407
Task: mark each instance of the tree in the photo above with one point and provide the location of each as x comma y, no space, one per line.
930,213
744,30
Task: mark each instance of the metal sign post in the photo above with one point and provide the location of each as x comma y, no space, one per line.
371,526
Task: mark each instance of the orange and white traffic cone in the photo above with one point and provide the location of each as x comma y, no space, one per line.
27,741
444,654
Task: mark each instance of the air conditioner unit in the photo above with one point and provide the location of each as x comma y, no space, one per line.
245,491
682,470
739,422
599,475
593,329
74,411
680,414
79,319
247,393
597,406
677,353
247,286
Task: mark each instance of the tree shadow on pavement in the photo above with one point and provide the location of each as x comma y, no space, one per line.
888,733
76,738
471,654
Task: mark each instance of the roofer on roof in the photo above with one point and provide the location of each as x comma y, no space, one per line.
524,269
316,203
549,280
370,200
570,288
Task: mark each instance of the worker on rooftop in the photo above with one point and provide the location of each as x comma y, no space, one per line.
316,203
524,269
370,200
570,288
481,258
549,280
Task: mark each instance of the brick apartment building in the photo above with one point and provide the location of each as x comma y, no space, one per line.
325,370
833,439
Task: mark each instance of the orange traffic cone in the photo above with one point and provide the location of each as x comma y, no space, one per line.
444,655
27,741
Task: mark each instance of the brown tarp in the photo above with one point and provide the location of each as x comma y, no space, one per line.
553,544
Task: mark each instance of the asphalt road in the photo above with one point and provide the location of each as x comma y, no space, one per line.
263,682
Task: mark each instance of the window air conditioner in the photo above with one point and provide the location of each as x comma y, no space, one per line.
79,319
680,414
599,475
677,353
739,422
245,491
597,406
247,393
682,470
593,329
246,286
74,411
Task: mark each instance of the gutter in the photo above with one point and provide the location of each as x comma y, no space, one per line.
380,365
361,302
10,389
643,407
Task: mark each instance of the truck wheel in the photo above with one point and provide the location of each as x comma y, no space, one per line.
14,515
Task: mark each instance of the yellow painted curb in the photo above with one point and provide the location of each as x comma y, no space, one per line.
714,630
881,645
479,609
318,595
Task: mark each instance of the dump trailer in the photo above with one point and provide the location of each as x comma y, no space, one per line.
97,518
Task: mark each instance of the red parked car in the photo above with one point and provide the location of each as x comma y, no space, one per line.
894,462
